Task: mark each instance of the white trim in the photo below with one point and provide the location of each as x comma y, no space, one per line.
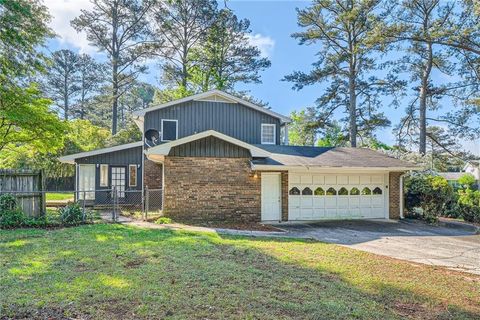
274,133
71,158
325,169
100,182
176,128
164,149
204,95
136,176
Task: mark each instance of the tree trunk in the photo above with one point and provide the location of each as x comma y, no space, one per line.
65,96
114,96
423,100
352,108
115,60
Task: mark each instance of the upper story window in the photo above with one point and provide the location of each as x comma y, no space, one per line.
169,130
268,133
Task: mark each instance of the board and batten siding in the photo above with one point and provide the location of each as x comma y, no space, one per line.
117,158
233,119
209,147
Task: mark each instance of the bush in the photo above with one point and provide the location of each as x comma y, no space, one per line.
432,194
7,202
163,220
469,205
12,219
467,181
71,214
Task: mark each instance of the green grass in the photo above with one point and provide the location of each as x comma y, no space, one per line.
112,271
59,196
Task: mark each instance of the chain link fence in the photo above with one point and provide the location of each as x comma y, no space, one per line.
109,204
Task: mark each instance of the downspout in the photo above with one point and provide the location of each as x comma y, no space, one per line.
401,194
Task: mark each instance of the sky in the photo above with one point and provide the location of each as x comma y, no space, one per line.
272,23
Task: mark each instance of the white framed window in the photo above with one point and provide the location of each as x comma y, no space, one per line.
132,175
104,175
169,129
268,133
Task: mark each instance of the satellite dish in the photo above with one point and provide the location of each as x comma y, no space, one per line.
152,137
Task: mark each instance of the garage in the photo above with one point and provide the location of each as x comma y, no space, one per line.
313,196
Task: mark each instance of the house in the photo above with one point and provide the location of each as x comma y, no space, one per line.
218,157
471,167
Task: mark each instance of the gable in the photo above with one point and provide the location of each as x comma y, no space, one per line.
209,147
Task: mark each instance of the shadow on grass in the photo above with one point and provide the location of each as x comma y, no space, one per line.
113,271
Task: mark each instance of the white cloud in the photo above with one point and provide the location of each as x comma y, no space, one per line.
64,11
264,43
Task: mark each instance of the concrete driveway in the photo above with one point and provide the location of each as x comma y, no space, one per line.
453,246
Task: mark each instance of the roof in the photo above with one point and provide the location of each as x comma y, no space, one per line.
71,158
213,95
164,149
451,175
328,157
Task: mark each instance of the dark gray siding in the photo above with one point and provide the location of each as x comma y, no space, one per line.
120,158
209,147
232,119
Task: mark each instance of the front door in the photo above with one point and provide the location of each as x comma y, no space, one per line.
271,197
86,181
118,180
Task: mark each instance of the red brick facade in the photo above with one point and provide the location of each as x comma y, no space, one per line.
211,189
394,195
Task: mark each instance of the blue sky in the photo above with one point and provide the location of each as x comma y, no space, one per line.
272,23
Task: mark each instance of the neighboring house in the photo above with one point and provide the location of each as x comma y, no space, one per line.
218,157
472,167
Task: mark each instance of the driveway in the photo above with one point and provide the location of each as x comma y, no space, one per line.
453,246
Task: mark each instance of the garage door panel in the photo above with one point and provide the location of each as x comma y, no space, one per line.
330,179
342,179
377,201
319,179
365,179
306,179
330,202
353,180
365,201
354,202
364,196
294,178
342,202
306,202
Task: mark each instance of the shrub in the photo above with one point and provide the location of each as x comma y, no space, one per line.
467,181
432,194
71,214
7,202
163,220
469,205
12,219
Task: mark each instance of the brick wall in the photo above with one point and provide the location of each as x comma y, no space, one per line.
394,195
211,189
285,196
152,174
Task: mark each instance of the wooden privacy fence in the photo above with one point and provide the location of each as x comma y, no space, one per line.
26,186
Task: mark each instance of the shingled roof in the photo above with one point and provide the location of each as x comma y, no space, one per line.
338,157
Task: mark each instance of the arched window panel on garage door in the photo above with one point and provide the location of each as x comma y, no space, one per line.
307,192
294,191
366,191
377,191
319,192
343,192
331,192
354,192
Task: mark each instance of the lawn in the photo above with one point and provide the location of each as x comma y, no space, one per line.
53,196
113,271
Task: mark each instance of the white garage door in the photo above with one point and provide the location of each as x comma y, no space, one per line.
337,196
